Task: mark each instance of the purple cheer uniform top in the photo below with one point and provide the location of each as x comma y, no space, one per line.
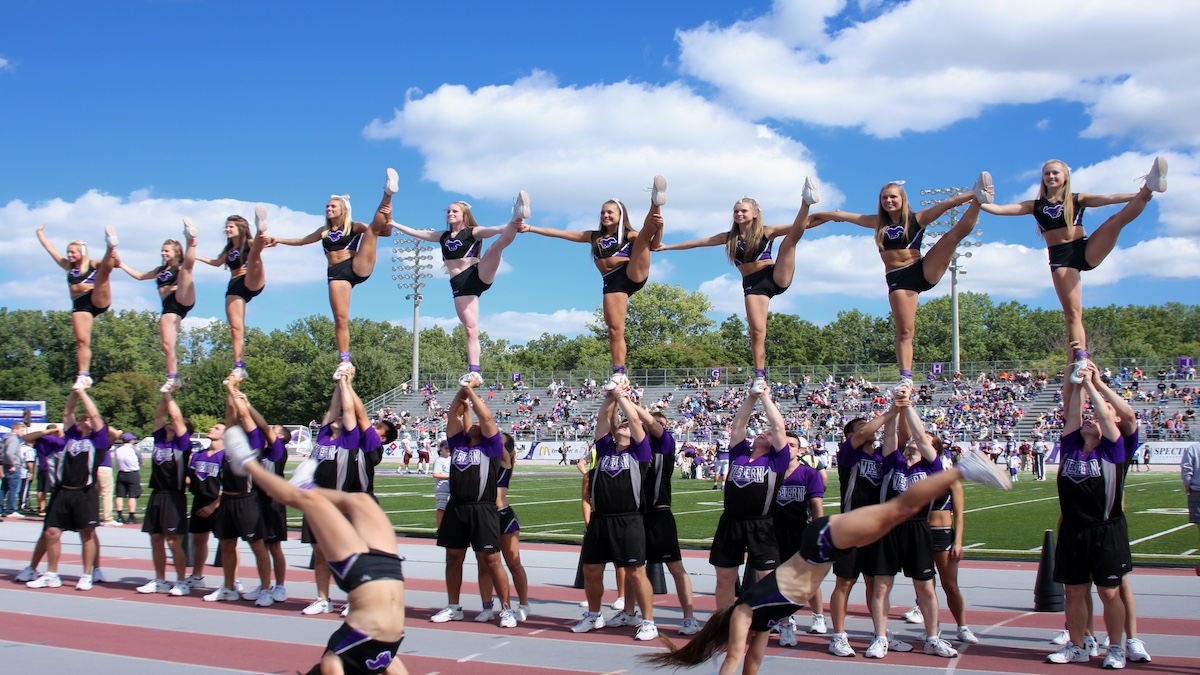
750,487
657,483
204,470
81,457
860,472
333,456
474,469
616,480
1090,484
170,460
793,495
898,475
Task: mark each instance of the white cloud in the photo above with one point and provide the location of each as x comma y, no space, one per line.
520,327
574,147
925,64
5,64
142,223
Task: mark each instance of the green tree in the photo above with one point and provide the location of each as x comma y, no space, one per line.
660,314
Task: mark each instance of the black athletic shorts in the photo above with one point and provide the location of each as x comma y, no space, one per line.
239,518
171,306
662,536
274,517
474,524
619,539
129,485
467,283
83,303
166,513
1071,254
907,548
788,534
360,654
909,278
198,525
237,287
344,271
943,538
769,605
762,282
750,540
845,564
74,510
45,481
508,520
617,281
1098,554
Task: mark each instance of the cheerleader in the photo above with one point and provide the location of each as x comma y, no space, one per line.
242,256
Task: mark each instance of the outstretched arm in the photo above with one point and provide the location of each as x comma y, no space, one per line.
917,428
867,432
140,276
433,236
349,420
604,423
261,422
335,407
737,432
175,415
58,257
311,238
1072,396
487,423
577,236
715,240
863,220
69,409
1088,200
649,422
215,262
927,216
1019,209
636,431
93,413
1103,416
775,419
891,434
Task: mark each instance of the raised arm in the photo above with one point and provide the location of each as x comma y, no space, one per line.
487,422
860,219
335,407
1072,397
349,420
433,236
69,409
1102,415
604,424
891,434
175,415
775,419
577,236
866,433
455,422
715,240
737,432
93,413
1127,423
636,431
917,428
261,422
58,257
927,216
649,422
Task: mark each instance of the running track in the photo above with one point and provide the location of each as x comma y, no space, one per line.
113,629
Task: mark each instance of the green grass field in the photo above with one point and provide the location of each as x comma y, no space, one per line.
999,524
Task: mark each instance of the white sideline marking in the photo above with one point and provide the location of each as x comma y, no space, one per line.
1164,532
1000,506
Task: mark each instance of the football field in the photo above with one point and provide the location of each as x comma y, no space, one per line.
998,524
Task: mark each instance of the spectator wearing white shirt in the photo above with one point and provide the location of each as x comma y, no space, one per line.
128,464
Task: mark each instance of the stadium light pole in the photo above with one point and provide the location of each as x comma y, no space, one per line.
947,221
412,258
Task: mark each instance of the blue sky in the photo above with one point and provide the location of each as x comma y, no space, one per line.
140,112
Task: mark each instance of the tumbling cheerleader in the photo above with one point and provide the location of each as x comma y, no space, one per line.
360,544
1059,216
622,255
350,251
748,245
471,273
733,628
899,232
177,289
91,293
242,255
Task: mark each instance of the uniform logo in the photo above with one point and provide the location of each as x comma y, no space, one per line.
453,244
615,465
871,470
902,481
1080,470
335,235
78,446
607,242
1054,211
463,459
742,476
75,272
380,662
789,494
165,276
206,469
893,231
324,452
234,255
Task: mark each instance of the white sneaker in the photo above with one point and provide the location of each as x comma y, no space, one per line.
1069,654
1076,378
189,229
154,586
84,583
279,593
811,194
260,219
1115,659
304,476
485,616
759,387
392,185
222,594
508,618
591,621
254,594
449,613
26,574
840,645
318,606
110,236
46,580
237,583
1060,638
658,191
905,382
1156,180
343,368
345,610
110,523
914,615
180,589
239,453
980,190
936,646
787,633
646,631
966,636
470,378
240,373
1091,646
172,384
98,576
17,514
895,645
878,648
522,613
1135,650
264,600
689,627
195,581
624,618
520,209
82,382
818,626
981,470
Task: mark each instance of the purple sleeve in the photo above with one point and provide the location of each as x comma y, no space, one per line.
457,441
605,445
183,443
1112,451
779,460
276,451
325,435
815,487
742,449
99,438
666,444
371,440
257,439
641,450
349,439
844,452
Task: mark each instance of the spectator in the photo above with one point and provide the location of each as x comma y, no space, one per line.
129,478
10,465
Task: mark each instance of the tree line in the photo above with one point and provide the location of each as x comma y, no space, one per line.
667,327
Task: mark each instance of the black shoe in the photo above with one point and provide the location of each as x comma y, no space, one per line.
132,519
120,519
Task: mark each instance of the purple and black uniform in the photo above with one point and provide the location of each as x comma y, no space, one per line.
860,473
49,453
617,532
274,459
335,465
764,597
74,504
1093,542
204,482
662,534
791,510
166,512
239,515
471,518
745,525
508,517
